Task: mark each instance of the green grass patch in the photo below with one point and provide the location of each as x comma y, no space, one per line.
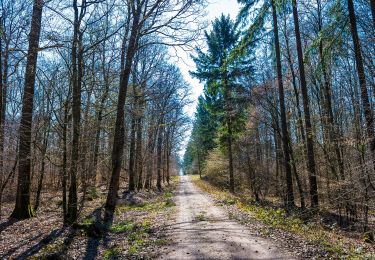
87,221
92,194
169,203
113,253
144,206
122,227
139,236
161,242
53,248
336,245
168,195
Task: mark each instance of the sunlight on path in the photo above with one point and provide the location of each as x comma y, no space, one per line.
204,231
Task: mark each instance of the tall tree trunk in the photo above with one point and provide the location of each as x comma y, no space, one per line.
132,154
159,155
152,133
72,213
168,166
138,153
298,179
3,108
306,107
332,131
362,80
97,135
296,94
118,139
42,168
284,128
23,209
199,165
228,108
100,115
64,172
230,155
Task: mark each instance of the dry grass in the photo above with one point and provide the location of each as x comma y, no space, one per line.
332,240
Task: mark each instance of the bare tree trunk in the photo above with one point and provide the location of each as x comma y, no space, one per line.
23,207
138,153
168,166
42,168
228,108
72,213
159,155
118,141
296,94
3,108
230,154
64,173
306,107
132,154
100,115
332,131
152,133
362,80
284,127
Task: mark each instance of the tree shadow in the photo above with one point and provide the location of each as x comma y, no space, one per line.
42,243
11,250
7,223
101,227
93,241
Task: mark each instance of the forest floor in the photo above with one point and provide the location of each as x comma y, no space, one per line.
136,232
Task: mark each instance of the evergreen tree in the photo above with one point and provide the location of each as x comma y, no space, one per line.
221,76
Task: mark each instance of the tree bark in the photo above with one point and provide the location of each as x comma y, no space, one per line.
159,155
23,207
152,133
42,168
76,54
138,153
284,128
306,107
118,141
64,173
369,117
131,172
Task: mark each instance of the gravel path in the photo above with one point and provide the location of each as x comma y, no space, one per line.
204,231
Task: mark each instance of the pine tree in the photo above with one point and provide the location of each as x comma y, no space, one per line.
221,75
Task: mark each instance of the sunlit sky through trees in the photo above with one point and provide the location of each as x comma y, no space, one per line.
214,9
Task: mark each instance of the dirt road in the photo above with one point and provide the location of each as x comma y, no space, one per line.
204,231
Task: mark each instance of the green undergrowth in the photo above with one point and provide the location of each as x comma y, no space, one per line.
132,230
140,231
163,202
138,234
92,194
112,253
276,218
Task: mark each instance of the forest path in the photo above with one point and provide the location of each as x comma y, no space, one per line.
204,231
